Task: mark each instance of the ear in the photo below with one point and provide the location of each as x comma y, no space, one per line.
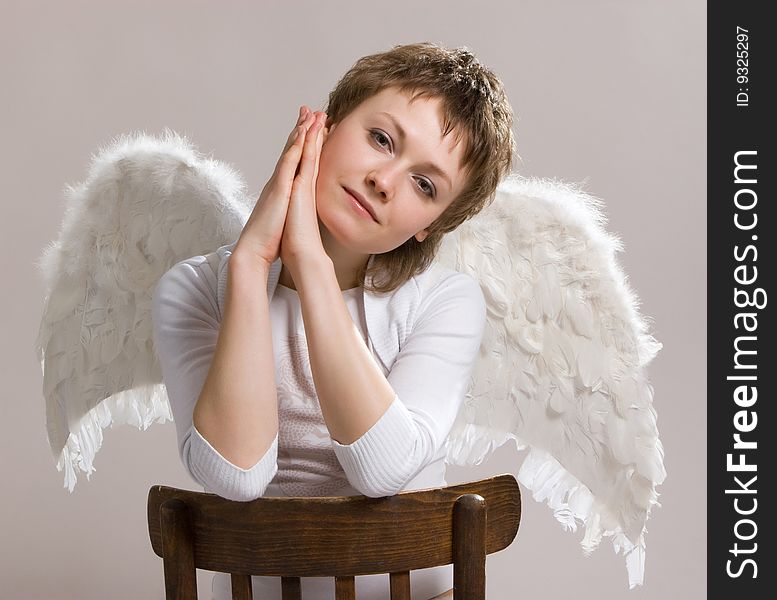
421,235
328,130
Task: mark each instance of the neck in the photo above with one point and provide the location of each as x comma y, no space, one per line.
345,262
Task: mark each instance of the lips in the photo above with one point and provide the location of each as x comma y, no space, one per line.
360,199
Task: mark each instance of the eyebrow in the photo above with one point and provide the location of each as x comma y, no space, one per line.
428,166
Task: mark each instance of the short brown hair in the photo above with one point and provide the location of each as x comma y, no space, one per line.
474,106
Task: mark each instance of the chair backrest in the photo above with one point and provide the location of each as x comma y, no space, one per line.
340,537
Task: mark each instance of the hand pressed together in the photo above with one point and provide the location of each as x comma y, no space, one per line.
284,221
301,237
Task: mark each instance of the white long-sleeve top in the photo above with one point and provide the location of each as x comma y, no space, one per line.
425,337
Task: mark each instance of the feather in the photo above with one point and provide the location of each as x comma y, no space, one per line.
146,204
562,328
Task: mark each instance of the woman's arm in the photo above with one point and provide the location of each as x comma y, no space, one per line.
186,323
237,410
220,372
384,430
351,388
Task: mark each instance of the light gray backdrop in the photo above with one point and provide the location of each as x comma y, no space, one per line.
611,92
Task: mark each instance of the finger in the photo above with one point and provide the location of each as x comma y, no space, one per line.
308,159
319,145
287,166
307,124
307,117
290,151
304,119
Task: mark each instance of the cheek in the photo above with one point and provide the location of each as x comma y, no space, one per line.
324,160
329,162
327,171
326,184
419,218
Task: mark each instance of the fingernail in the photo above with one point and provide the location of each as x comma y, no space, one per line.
301,112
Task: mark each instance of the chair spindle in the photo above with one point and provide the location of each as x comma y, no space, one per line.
241,587
178,544
400,585
291,588
469,548
345,588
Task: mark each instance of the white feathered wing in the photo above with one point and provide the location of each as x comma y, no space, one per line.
147,203
562,364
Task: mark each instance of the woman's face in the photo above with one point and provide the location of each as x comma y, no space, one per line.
391,154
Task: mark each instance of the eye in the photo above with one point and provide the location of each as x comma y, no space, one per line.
426,187
381,139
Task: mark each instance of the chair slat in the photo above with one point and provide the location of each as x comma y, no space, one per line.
345,588
241,587
469,548
178,545
291,588
400,585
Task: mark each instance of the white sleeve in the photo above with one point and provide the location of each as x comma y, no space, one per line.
186,325
430,378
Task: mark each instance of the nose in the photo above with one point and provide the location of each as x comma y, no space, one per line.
380,180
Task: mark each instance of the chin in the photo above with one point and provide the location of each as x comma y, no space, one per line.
342,231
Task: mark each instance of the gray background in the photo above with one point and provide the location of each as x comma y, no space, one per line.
607,92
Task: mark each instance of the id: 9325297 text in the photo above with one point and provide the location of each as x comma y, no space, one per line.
743,66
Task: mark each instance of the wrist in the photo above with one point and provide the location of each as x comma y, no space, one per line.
314,275
247,264
246,275
309,265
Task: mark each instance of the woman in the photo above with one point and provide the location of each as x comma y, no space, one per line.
346,375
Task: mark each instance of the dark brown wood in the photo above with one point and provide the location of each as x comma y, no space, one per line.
175,521
345,587
291,588
338,537
241,587
346,535
469,540
400,585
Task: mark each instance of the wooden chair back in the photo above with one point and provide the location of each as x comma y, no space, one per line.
340,537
